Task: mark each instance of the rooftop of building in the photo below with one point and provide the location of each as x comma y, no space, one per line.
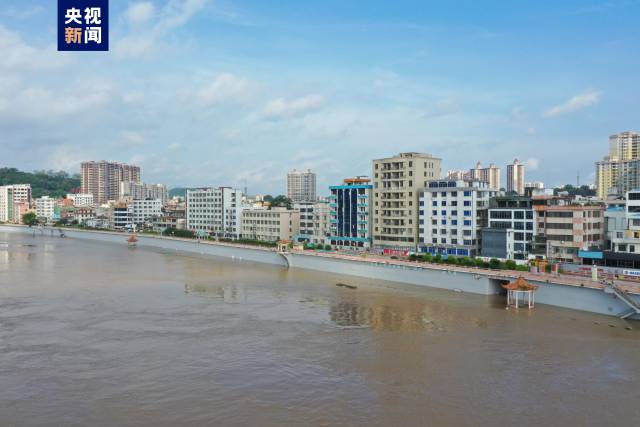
408,155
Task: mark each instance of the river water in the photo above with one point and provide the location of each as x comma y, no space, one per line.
98,334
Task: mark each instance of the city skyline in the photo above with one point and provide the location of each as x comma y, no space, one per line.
303,82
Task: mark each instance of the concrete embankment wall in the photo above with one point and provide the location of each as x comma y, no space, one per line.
434,278
578,298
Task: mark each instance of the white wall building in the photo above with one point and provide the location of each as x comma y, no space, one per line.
144,211
452,214
22,193
81,200
6,203
314,222
215,211
46,208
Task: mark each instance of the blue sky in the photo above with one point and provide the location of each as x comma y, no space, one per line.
236,93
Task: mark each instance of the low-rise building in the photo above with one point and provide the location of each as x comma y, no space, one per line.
84,214
47,208
452,215
81,200
350,214
143,212
314,222
270,225
565,226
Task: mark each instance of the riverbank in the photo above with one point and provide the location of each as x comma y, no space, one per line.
569,292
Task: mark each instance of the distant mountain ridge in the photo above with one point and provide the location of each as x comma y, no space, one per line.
43,183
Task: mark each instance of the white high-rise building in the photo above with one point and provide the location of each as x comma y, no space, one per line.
215,211
301,186
6,203
515,177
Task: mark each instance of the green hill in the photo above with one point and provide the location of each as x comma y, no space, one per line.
43,183
178,191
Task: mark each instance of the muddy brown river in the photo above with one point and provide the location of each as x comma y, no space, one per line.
98,334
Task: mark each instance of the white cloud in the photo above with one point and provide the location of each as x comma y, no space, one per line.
444,107
282,108
132,138
174,14
139,13
532,163
225,88
19,56
578,102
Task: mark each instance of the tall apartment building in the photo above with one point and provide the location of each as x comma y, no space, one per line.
515,177
511,228
350,214
490,175
22,193
396,184
619,171
314,222
301,186
15,200
452,215
566,226
215,211
270,225
102,179
138,191
6,203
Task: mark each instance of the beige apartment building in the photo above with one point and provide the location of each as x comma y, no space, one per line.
270,225
490,175
397,182
102,179
515,177
619,172
567,227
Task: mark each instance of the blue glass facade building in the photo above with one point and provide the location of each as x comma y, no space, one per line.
349,203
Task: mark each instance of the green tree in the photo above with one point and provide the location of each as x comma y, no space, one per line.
51,183
278,201
494,263
29,219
